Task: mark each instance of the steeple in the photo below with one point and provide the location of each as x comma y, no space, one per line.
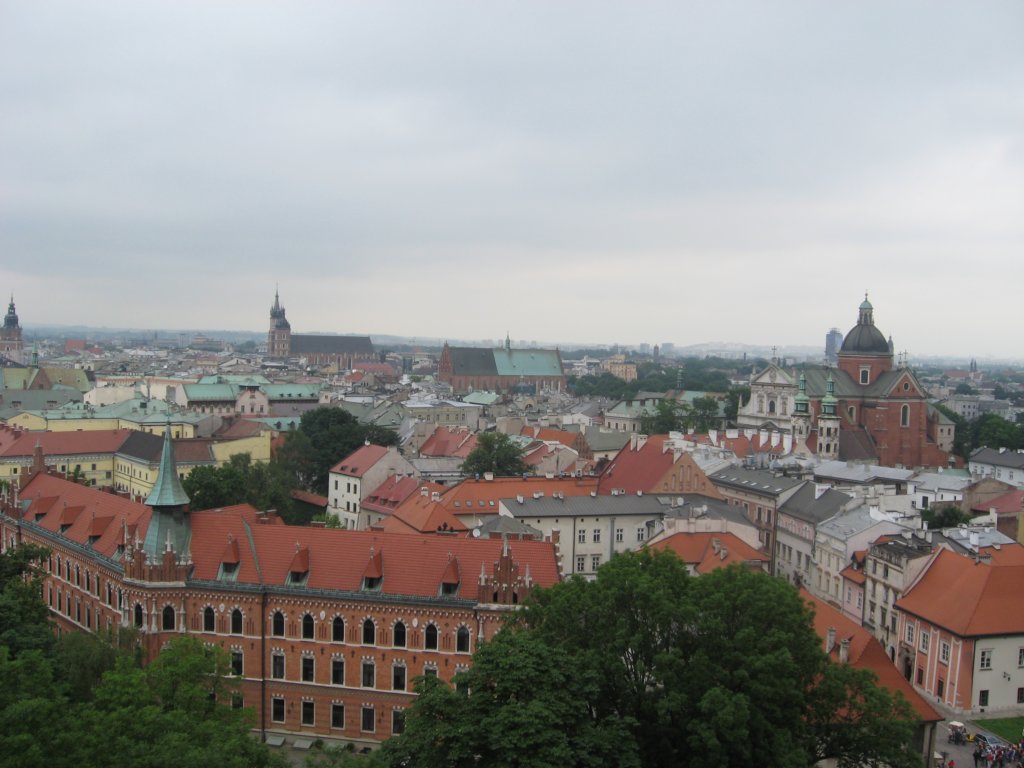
508,342
167,491
866,316
169,533
11,319
829,402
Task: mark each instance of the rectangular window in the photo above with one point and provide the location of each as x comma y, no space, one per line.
619,535
366,720
277,710
337,671
982,698
307,669
944,652
581,564
397,722
277,666
597,535
639,534
1020,695
925,637
1020,657
581,536
308,713
368,674
398,678
920,676
337,715
985,661
595,562
236,663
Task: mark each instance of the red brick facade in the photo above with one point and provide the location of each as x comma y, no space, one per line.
327,631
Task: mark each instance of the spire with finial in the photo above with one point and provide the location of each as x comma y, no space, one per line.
167,491
508,342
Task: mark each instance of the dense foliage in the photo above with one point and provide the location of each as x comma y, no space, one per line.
84,700
986,430
495,452
709,374
648,666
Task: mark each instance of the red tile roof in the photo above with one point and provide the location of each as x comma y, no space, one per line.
865,652
392,492
710,551
454,442
422,513
359,461
1007,504
67,443
314,499
410,565
967,597
482,496
550,435
638,469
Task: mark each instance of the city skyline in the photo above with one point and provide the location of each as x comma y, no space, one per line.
609,173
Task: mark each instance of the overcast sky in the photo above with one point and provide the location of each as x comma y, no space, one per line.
597,172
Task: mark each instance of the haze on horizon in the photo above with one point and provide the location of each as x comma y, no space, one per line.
599,172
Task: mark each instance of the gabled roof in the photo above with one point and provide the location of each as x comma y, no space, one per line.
999,457
482,496
449,441
811,507
967,597
865,652
759,481
638,468
313,344
68,443
707,552
357,463
1007,504
386,497
422,513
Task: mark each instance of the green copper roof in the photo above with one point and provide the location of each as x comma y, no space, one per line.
527,362
167,491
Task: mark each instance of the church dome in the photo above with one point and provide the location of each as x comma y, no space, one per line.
864,338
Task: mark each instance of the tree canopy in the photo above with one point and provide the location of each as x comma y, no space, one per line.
648,666
495,452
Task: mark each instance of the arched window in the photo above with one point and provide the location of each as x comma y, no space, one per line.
236,622
338,629
462,640
277,624
209,620
399,635
138,614
771,406
308,627
430,638
168,621
905,416
369,632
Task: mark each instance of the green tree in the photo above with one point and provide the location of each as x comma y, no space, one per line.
242,481
669,416
24,618
80,659
495,452
855,722
35,728
522,704
178,711
944,517
325,436
715,671
734,398
704,413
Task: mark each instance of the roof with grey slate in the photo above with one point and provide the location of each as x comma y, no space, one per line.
804,506
995,457
330,345
760,481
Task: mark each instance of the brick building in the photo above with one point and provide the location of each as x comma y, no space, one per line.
505,370
316,349
326,628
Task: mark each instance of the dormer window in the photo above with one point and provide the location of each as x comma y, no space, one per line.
298,571
228,572
450,578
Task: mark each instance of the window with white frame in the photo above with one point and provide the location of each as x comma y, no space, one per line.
1020,657
944,652
985,659
925,637
581,563
581,536
619,533
597,535
910,633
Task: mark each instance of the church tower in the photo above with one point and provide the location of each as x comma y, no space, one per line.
279,338
828,422
11,345
866,354
801,416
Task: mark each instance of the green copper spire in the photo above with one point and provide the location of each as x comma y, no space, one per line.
801,403
829,402
167,491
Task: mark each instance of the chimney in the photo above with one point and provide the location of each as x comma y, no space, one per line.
488,476
641,441
435,496
844,651
424,491
830,640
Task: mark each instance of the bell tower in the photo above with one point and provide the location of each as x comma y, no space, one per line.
11,344
279,337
